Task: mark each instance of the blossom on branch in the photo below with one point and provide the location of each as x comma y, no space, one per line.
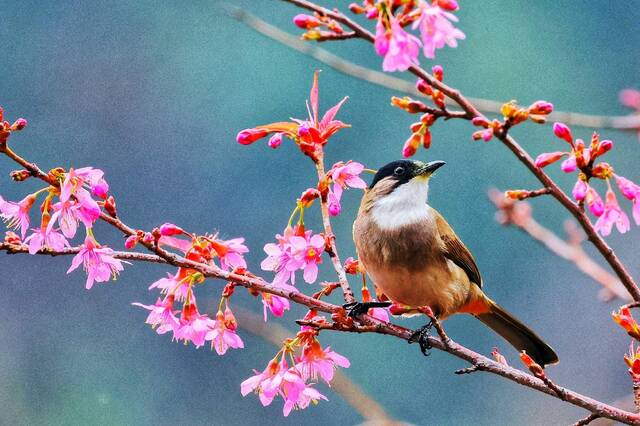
98,262
436,27
17,214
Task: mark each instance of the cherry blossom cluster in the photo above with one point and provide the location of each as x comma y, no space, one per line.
318,27
433,19
583,160
295,369
64,208
188,324
513,114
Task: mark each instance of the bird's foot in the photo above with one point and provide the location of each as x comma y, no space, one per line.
355,309
421,336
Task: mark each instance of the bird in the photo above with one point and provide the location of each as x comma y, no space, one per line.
416,260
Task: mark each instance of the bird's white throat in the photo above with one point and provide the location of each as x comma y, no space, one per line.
404,206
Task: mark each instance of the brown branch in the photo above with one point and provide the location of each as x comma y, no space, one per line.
471,111
591,417
519,214
331,240
626,122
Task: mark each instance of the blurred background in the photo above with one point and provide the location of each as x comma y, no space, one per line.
154,94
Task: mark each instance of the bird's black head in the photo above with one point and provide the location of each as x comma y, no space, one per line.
402,171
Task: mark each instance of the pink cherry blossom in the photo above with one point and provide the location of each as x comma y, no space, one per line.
267,383
381,42
276,304
436,29
580,190
346,175
98,262
17,214
223,335
230,253
75,179
316,361
308,251
162,315
193,326
306,397
379,313
631,191
612,215
291,389
174,285
66,214
280,259
402,50
45,237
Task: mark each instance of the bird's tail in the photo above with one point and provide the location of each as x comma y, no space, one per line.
515,332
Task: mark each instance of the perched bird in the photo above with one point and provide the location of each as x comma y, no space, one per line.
416,260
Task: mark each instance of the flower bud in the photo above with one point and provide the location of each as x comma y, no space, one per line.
517,194
428,119
480,121
19,124
275,141
356,8
12,238
594,202
148,238
438,72
308,196
249,136
306,21
563,132
20,175
448,5
603,147
110,206
426,138
100,189
499,357
169,229
411,145
533,366
131,242
416,127
351,266
423,87
541,108
547,158
580,189
408,104
602,170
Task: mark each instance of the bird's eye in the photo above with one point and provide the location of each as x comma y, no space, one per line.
399,171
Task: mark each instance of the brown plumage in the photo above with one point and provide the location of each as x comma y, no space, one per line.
415,259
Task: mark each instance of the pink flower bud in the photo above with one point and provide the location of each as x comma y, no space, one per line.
569,165
100,189
148,238
169,229
275,141
580,190
629,189
594,202
131,242
487,135
249,136
603,147
480,121
547,158
563,132
305,21
541,107
438,72
19,124
423,87
411,145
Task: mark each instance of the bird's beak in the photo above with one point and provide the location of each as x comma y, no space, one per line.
429,168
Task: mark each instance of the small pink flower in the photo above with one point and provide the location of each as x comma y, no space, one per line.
267,383
631,191
169,229
230,253
45,237
306,397
75,179
308,251
563,132
193,326
402,51
276,140
174,285
594,202
547,158
346,176
292,388
98,262
436,29
17,214
333,203
612,215
381,42
223,335
276,304
100,189
316,361
162,315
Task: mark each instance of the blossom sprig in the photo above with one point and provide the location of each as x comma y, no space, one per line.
625,319
320,27
6,128
513,114
433,19
632,359
294,371
311,135
582,159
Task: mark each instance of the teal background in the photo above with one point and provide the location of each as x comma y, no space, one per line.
154,93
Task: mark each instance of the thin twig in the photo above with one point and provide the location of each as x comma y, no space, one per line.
624,122
591,417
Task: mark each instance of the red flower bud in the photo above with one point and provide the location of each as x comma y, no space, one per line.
306,21
351,266
603,147
480,121
541,108
449,5
249,136
110,206
438,72
563,132
533,366
426,138
547,158
411,145
20,175
19,124
131,242
169,229
423,87
308,196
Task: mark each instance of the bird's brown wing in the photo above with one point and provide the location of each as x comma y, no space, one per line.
456,251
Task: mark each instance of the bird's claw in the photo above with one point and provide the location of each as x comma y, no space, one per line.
421,336
354,309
